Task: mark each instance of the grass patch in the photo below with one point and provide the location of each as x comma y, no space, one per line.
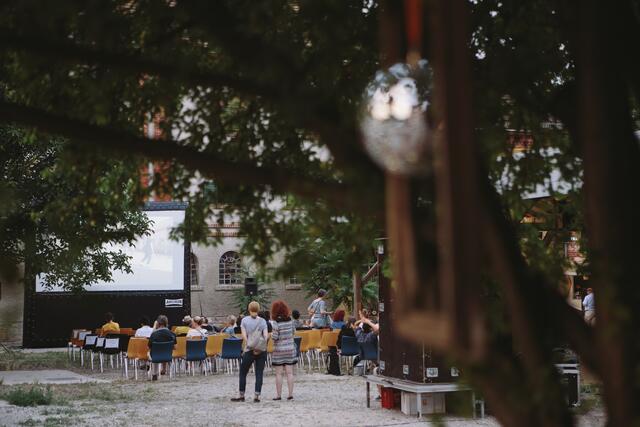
18,360
34,396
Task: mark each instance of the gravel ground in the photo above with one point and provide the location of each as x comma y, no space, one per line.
321,400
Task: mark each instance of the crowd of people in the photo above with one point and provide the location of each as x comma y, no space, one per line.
256,327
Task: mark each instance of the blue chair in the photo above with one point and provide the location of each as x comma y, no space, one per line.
368,353
162,352
196,352
231,352
349,348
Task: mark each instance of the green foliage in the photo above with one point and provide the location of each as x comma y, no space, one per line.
62,207
34,396
265,293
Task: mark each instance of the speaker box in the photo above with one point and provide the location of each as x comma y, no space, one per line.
250,286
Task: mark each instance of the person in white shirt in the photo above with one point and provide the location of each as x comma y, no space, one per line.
144,331
589,307
196,329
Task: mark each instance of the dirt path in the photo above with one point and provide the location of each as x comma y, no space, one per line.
320,400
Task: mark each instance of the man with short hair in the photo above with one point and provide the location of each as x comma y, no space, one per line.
589,307
161,334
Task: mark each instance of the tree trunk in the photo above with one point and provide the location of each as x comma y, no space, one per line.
611,169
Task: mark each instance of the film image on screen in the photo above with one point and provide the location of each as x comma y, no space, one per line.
157,262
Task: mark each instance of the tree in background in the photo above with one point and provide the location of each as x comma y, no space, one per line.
58,214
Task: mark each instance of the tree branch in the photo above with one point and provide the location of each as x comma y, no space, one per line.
300,103
208,164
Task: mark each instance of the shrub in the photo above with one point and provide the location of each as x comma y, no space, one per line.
30,397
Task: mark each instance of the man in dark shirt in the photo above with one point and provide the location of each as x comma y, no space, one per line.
161,334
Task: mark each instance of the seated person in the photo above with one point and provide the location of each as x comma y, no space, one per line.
366,332
337,321
110,327
196,330
186,325
211,329
161,334
297,323
237,329
346,331
144,331
227,328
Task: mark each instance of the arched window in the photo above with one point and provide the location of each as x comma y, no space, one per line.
193,270
229,272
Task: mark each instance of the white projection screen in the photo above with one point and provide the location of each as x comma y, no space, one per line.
157,262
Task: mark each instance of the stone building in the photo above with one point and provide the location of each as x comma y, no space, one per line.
215,273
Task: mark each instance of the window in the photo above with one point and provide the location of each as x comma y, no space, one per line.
294,284
229,272
193,270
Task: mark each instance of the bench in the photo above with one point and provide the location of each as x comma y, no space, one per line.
420,388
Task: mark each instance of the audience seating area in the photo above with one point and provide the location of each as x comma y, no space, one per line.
219,353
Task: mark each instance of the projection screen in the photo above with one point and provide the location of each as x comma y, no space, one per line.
157,262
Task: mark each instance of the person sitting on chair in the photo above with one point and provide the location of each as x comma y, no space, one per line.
230,325
144,331
186,325
299,324
237,329
196,330
346,331
211,329
161,334
110,327
366,332
337,322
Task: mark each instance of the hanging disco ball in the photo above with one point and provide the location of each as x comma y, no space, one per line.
394,121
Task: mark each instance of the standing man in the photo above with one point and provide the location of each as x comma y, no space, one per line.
318,311
589,307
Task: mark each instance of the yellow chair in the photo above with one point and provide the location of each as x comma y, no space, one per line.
128,331
315,339
137,350
329,339
304,346
214,347
179,352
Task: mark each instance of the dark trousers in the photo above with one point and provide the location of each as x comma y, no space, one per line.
248,358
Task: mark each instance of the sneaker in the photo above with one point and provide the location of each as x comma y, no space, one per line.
237,399
256,399
154,378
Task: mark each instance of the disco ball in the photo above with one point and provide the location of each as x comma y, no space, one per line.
393,119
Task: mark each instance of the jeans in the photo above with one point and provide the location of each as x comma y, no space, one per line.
249,358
